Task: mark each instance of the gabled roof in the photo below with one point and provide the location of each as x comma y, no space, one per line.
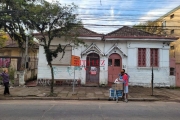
170,12
84,32
81,31
128,32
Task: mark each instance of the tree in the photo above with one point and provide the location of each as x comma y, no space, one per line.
50,20
3,38
14,21
151,27
54,20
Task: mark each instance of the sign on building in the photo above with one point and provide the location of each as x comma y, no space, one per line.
75,60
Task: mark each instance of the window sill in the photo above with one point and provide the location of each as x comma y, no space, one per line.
148,68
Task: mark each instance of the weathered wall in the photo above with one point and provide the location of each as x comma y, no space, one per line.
138,75
143,75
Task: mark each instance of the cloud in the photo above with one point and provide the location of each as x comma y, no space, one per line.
154,14
151,15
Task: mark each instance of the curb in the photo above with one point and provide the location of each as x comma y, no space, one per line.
80,98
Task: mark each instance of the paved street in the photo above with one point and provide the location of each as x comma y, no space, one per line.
81,110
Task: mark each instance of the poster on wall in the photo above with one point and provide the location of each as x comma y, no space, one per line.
5,62
93,71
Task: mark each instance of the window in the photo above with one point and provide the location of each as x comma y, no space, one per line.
163,24
172,71
171,16
66,60
109,62
148,57
141,57
172,31
154,57
117,62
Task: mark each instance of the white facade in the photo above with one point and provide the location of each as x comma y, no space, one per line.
126,48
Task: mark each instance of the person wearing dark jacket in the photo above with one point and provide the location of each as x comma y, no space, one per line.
5,77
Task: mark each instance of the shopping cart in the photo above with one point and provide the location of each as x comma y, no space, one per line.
116,91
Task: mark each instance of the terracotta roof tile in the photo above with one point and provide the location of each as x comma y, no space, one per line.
129,32
81,31
86,32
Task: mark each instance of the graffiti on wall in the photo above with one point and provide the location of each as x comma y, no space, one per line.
69,70
65,71
5,62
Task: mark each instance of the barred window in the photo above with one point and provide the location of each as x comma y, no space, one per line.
142,57
154,57
148,57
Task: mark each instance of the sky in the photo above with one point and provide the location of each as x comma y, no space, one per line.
104,16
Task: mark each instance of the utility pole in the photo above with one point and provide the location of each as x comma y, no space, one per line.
152,79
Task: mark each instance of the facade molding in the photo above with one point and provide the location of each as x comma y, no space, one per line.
115,47
92,49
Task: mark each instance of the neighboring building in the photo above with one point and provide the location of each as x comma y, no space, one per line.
126,48
13,56
170,23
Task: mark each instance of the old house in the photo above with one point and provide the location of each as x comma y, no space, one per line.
11,56
104,56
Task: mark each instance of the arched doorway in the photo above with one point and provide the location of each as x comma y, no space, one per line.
114,67
92,69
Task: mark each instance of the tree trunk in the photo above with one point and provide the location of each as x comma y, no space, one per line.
52,81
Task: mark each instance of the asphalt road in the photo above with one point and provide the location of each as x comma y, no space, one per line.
88,110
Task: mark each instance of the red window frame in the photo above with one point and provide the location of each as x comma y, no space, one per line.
141,57
154,57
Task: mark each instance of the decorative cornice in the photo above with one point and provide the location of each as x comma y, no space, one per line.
115,46
92,49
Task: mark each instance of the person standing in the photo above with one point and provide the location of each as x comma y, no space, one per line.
125,80
5,77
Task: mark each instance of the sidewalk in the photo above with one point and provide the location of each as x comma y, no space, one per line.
88,93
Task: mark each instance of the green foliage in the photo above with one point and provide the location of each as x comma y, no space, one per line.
3,38
11,72
13,19
52,20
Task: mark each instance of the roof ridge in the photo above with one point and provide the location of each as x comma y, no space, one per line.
127,31
92,31
114,31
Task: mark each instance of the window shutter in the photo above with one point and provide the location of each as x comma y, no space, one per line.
154,57
142,57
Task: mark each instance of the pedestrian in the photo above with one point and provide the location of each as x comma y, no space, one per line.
125,80
5,77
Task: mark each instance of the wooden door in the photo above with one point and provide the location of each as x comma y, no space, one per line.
92,69
114,67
